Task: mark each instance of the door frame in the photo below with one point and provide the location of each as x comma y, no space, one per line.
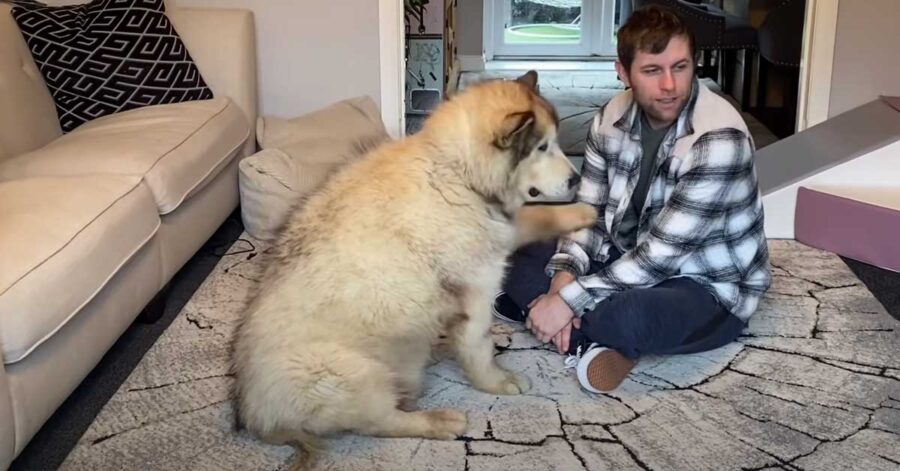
391,36
816,63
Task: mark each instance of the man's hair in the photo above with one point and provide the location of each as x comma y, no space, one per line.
649,29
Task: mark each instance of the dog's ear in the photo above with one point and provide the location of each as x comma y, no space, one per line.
530,79
516,127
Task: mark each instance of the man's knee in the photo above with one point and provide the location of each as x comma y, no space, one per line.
630,317
525,279
538,251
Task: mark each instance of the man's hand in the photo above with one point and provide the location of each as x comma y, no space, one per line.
562,339
547,316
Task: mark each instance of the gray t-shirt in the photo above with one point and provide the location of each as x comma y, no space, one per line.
650,142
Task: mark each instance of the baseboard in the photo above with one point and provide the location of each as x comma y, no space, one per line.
471,63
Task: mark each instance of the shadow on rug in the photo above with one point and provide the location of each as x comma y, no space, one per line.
813,384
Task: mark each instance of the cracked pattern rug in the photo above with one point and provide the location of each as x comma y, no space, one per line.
814,383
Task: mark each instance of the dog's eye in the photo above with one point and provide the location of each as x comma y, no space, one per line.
543,147
534,192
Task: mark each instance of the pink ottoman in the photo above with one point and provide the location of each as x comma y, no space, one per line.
858,223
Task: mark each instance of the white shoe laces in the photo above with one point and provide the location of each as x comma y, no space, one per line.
571,361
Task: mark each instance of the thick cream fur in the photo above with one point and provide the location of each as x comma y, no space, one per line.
400,247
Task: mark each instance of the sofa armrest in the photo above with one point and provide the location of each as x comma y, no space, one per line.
7,421
222,43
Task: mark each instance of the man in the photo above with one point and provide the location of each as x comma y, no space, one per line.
677,261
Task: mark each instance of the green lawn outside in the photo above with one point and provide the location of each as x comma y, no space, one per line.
542,34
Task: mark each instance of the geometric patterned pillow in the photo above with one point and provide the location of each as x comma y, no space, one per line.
108,56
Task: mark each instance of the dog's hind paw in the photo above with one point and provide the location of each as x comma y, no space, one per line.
522,381
516,383
447,424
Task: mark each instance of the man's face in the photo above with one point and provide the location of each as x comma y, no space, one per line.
661,83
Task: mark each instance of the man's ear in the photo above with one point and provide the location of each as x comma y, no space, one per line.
623,74
529,79
515,125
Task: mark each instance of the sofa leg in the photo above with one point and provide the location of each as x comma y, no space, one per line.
156,307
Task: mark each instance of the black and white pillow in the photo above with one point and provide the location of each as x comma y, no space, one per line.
108,56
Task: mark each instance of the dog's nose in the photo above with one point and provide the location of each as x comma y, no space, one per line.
575,179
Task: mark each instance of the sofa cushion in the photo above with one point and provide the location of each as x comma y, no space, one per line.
299,155
106,56
175,148
334,134
61,240
271,184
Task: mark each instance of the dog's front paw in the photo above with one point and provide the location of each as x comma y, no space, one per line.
584,214
509,384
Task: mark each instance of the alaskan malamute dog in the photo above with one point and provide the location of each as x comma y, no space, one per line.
406,244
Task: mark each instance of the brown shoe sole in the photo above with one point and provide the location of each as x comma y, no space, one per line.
608,369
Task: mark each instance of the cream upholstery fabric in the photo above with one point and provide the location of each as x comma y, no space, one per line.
173,147
327,135
299,155
27,113
82,241
186,229
7,430
62,239
223,45
39,383
270,186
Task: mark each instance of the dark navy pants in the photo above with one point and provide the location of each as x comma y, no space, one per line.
676,316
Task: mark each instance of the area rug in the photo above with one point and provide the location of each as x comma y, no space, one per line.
578,95
814,383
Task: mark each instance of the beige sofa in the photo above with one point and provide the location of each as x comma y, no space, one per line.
94,223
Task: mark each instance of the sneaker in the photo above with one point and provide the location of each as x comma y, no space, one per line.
505,309
600,369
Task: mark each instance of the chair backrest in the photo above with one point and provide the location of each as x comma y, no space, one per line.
781,33
707,25
737,8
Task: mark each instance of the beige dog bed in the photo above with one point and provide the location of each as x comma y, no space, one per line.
298,155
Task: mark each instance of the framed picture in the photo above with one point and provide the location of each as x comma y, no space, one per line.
424,73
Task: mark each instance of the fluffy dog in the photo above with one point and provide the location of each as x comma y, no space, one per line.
404,245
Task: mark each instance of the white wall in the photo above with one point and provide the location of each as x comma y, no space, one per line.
880,168
866,57
311,52
433,21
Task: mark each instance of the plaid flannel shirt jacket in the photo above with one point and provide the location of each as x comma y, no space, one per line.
703,217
